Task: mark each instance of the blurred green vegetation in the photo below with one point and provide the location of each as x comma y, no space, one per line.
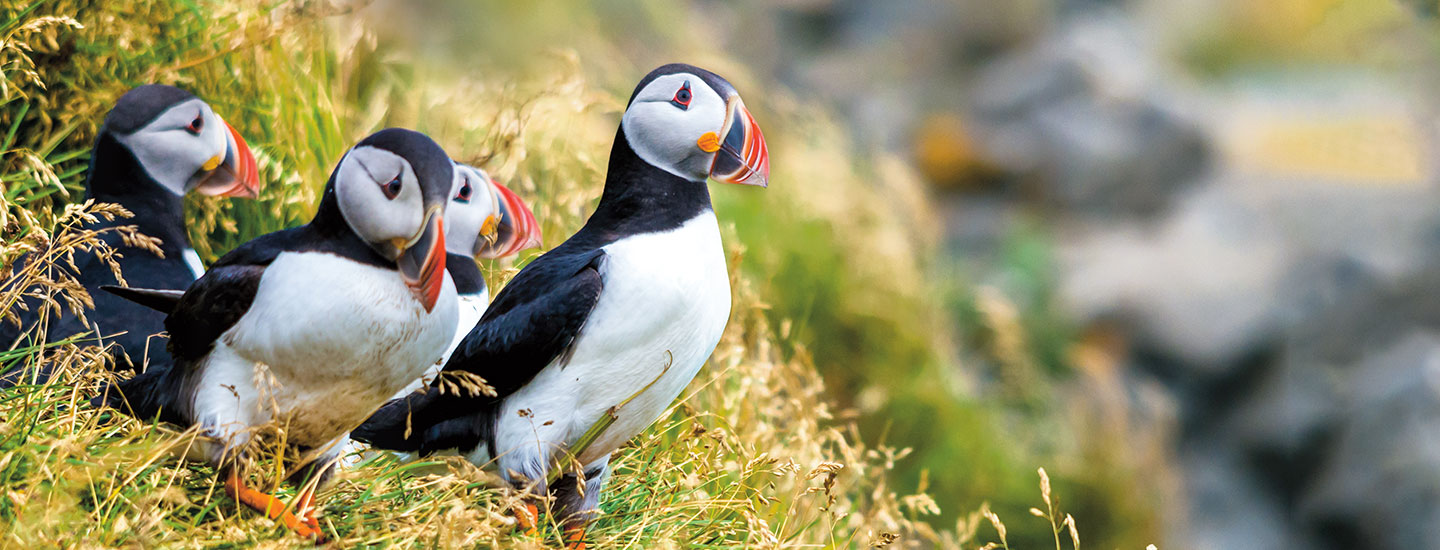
1254,36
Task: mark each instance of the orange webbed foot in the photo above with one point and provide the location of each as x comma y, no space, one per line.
272,507
575,539
305,505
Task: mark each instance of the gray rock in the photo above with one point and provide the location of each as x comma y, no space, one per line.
1228,508
1380,487
1244,264
1202,286
1297,320
1084,120
1282,419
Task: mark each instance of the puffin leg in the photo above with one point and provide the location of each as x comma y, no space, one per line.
527,516
577,500
309,478
272,507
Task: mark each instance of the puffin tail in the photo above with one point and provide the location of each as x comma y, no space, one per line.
429,421
144,396
161,300
390,427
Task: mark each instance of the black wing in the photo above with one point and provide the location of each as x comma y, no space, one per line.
209,308
206,310
534,321
126,327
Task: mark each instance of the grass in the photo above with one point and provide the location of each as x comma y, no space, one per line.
831,415
746,460
749,458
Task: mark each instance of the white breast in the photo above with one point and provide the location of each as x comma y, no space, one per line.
335,339
666,300
472,307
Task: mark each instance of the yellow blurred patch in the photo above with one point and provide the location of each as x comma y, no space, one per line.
1316,30
1371,150
945,153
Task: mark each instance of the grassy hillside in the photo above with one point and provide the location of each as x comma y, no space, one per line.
831,267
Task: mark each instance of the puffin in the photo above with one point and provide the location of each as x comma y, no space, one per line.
310,329
616,320
156,144
485,220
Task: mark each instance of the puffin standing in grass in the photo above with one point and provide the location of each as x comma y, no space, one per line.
311,329
484,220
157,144
615,321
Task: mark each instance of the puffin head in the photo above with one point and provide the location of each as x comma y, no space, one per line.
392,189
485,219
181,143
690,122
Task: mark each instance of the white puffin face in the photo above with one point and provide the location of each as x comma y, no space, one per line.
181,146
380,198
472,216
667,119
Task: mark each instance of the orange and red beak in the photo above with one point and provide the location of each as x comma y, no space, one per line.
742,157
236,176
517,229
422,260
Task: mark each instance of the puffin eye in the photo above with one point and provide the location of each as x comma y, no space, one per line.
463,196
196,125
682,96
391,188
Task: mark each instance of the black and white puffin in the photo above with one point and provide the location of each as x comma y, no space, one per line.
631,305
157,144
315,327
484,220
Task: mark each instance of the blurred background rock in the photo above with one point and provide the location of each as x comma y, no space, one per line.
1184,250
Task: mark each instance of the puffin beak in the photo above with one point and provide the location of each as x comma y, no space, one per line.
422,260
742,156
237,175
517,229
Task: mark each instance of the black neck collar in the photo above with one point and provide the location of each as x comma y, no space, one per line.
641,198
467,277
